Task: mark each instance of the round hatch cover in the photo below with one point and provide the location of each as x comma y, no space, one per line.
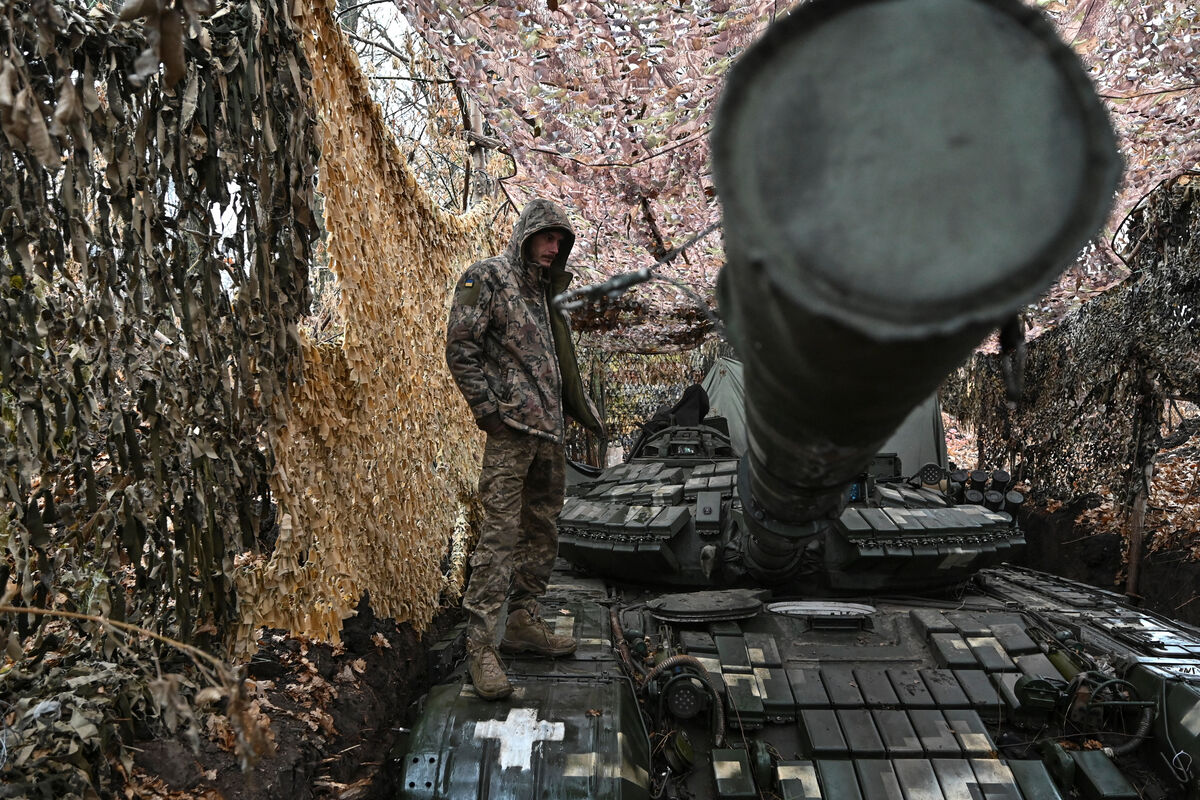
720,605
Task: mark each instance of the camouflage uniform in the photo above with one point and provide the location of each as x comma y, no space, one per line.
511,353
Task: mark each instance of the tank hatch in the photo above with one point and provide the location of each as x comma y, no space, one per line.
728,604
827,615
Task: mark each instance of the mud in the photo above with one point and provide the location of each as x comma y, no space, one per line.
334,715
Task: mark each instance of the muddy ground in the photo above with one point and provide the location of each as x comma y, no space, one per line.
334,714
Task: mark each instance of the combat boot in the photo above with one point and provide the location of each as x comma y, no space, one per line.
487,673
527,633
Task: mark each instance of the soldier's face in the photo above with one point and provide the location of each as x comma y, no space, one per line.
543,247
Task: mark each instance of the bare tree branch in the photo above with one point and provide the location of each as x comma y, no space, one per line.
490,142
634,162
357,6
391,51
408,78
1187,88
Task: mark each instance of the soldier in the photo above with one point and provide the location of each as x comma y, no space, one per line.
511,354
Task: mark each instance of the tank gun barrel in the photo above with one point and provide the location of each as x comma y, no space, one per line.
897,177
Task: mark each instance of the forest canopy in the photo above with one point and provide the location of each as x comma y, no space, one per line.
607,106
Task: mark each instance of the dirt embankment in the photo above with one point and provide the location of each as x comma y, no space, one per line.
334,714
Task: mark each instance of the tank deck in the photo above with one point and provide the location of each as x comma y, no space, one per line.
887,699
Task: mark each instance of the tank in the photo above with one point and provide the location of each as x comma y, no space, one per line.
813,612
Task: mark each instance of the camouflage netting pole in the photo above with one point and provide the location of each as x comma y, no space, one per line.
1096,386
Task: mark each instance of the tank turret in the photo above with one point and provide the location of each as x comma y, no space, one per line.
913,204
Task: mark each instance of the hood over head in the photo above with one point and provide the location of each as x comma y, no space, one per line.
538,215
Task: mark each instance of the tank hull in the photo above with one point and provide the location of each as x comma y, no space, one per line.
877,698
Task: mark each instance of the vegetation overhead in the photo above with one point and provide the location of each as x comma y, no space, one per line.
607,106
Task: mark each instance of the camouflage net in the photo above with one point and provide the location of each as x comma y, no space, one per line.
157,234
158,216
1097,386
379,454
630,387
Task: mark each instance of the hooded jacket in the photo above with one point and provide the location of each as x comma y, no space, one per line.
508,348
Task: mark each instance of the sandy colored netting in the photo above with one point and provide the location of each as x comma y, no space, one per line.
378,450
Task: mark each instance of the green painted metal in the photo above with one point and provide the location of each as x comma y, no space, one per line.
1099,779
732,776
797,780
1034,780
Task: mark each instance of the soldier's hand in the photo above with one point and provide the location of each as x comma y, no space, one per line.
490,423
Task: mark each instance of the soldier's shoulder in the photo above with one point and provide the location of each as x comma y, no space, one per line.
476,277
489,269
490,264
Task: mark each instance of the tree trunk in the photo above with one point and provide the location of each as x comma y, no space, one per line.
1147,426
479,184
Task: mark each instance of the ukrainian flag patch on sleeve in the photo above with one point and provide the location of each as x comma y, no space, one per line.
467,292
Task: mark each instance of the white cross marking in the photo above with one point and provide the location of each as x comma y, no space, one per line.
517,735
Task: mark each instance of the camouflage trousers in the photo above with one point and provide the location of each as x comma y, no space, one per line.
521,487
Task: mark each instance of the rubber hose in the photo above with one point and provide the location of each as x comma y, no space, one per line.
1139,736
622,648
